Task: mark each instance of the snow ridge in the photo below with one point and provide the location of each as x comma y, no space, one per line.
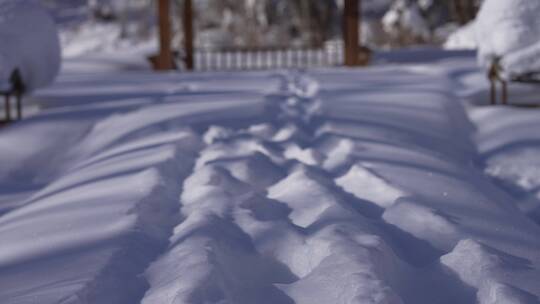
325,186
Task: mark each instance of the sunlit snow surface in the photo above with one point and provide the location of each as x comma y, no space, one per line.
321,186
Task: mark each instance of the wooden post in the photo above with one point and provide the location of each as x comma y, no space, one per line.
189,35
18,98
7,107
492,91
165,59
351,18
504,92
492,75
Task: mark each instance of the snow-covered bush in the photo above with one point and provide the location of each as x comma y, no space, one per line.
405,24
510,30
28,43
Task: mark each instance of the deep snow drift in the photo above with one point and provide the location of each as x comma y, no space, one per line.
319,186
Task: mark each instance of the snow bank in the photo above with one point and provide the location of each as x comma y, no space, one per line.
91,231
464,38
506,27
436,195
509,147
29,43
522,62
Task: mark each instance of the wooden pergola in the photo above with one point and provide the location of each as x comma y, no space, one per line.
165,60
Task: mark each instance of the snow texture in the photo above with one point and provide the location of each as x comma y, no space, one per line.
320,186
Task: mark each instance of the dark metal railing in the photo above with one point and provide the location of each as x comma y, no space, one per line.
8,107
14,88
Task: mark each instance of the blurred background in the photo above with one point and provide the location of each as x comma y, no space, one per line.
112,25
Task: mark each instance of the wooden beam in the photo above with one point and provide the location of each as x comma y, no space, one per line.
189,35
165,58
351,21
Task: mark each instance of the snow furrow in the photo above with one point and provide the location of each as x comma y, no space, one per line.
103,239
324,186
281,212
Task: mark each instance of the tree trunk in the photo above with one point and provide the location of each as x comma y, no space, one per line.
165,59
189,35
351,20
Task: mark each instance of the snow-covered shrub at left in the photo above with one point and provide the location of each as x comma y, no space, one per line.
29,43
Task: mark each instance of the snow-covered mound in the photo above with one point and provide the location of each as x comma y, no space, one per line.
28,43
508,30
510,145
464,38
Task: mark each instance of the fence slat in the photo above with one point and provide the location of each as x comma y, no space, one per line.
207,59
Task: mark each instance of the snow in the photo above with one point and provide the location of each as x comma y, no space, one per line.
509,149
379,185
522,62
372,188
405,15
424,223
100,203
30,43
464,38
495,293
507,31
508,28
